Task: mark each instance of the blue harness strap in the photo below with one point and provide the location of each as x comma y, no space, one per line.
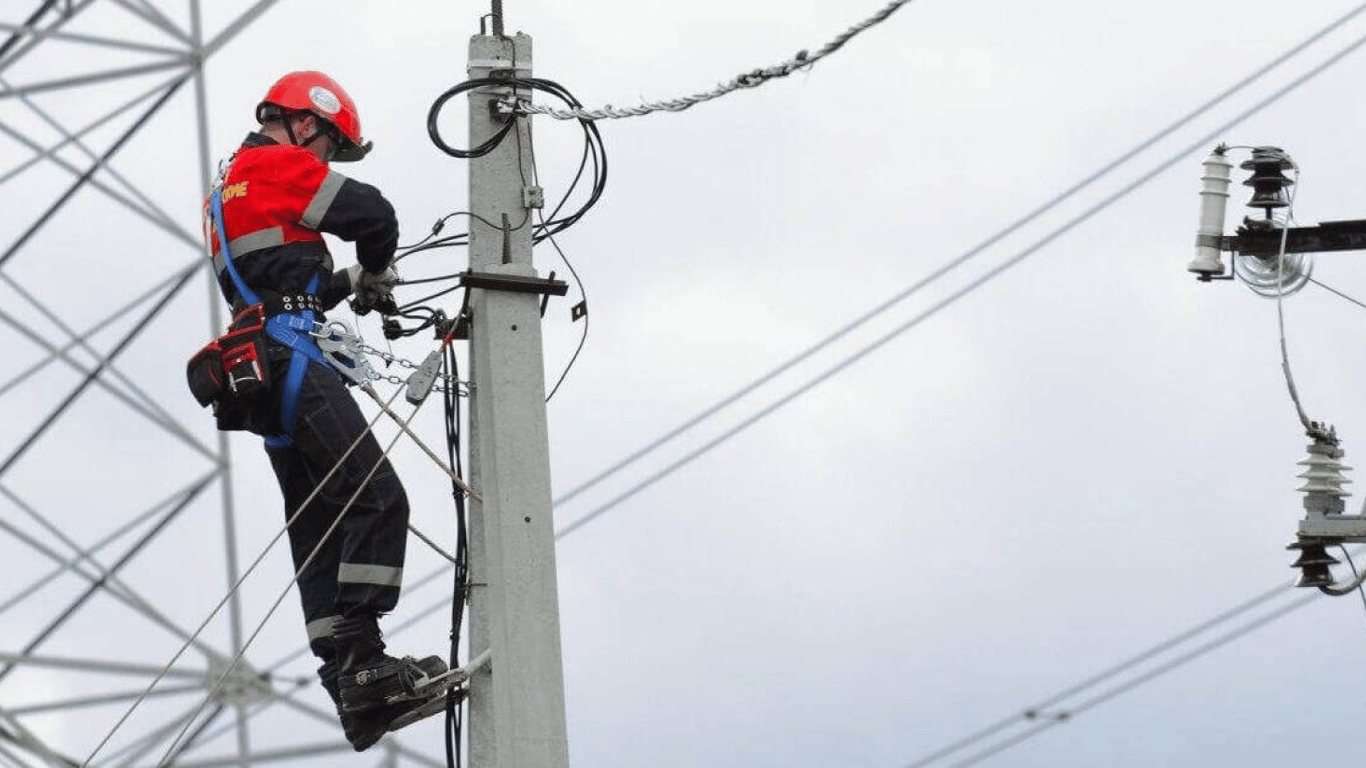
292,329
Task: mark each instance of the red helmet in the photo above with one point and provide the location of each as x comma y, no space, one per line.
315,92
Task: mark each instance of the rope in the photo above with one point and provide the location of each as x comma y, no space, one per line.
231,591
745,80
435,547
218,684
461,484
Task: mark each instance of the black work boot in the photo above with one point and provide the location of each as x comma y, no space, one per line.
369,679
369,727
359,732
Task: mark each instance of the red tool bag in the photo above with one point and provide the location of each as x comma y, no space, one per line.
232,367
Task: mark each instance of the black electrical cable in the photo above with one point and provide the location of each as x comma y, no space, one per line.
583,338
578,176
436,295
452,241
460,597
593,149
438,278
489,144
535,178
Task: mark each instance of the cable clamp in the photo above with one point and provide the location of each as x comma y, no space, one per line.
421,381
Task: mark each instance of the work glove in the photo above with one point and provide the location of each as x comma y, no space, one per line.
371,288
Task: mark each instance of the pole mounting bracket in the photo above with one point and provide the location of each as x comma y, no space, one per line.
492,281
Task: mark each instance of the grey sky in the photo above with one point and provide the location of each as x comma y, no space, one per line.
1077,461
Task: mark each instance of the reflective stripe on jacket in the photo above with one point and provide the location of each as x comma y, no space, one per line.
277,200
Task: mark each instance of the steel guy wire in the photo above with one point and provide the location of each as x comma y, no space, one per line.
198,733
1336,292
242,579
403,425
967,255
969,287
278,697
751,79
550,235
285,592
420,535
136,748
408,590
431,543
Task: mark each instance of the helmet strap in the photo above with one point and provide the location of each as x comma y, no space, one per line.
287,119
289,128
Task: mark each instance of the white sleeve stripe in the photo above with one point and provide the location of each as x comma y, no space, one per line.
322,200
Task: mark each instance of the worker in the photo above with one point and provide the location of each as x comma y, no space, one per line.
278,196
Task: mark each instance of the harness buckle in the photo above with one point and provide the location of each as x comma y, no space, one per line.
342,350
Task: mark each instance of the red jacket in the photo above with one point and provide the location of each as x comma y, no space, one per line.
277,200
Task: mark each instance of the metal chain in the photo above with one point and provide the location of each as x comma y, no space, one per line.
746,80
445,381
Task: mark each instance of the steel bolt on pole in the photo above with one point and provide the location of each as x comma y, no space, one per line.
517,717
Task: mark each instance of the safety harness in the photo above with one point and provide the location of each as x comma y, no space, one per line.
293,329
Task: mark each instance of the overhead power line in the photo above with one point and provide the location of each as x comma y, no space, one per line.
1337,293
1128,685
752,79
1046,716
974,284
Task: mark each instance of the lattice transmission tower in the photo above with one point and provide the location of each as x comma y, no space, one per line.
118,526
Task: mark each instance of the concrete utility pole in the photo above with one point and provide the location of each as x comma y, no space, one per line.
517,715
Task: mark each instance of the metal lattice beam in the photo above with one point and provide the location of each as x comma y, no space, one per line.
151,58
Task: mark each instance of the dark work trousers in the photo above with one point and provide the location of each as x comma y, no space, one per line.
359,567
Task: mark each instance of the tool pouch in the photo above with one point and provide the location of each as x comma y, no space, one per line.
204,373
244,353
232,370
